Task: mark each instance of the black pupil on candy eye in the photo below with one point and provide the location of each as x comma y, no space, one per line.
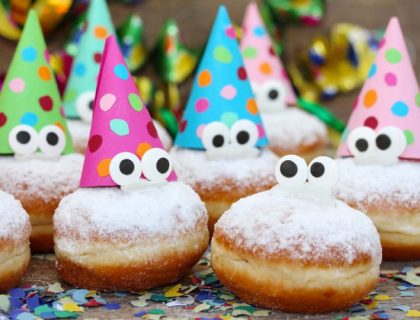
242,137
52,138
362,145
162,165
317,169
218,141
126,167
23,137
383,141
90,104
273,94
288,169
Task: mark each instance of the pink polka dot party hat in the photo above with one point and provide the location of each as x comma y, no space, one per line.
80,89
389,97
221,91
124,146
268,77
31,116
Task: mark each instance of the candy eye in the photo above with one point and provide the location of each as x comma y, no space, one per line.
52,140
291,170
125,168
215,135
157,165
274,94
391,142
323,172
361,141
23,140
84,105
244,133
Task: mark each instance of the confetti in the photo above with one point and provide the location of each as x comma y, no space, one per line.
413,313
382,297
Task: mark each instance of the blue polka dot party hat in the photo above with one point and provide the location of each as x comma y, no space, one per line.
221,91
390,95
81,86
30,104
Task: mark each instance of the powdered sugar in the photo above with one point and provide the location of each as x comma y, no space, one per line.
275,220
292,128
398,184
13,218
168,210
192,167
43,179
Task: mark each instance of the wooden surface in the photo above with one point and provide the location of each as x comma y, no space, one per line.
42,272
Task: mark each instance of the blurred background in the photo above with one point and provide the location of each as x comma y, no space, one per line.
195,17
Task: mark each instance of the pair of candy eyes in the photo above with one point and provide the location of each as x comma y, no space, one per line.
84,105
217,135
24,140
293,171
273,91
126,168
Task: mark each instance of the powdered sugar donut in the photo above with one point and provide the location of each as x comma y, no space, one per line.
222,182
108,238
293,248
15,230
39,184
390,195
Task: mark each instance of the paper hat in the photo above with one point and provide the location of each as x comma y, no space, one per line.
80,90
120,123
221,90
390,95
30,94
261,62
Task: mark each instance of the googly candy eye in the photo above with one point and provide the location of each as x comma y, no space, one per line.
244,133
323,172
157,165
391,143
125,169
291,170
273,96
23,140
215,136
52,140
361,141
84,105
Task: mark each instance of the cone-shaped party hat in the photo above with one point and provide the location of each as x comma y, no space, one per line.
261,62
221,90
80,89
390,95
120,124
30,95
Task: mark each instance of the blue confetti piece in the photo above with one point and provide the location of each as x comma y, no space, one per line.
406,269
25,316
112,306
120,294
404,308
140,314
47,315
17,293
80,296
33,302
407,293
205,296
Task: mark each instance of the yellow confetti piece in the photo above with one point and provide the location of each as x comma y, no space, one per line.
240,312
373,305
413,278
202,307
261,313
413,313
55,288
72,307
173,292
382,297
225,317
359,318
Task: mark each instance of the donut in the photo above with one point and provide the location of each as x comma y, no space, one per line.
390,196
223,182
15,230
293,247
40,184
111,239
80,130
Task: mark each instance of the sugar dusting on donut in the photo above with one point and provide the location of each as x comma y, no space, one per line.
13,218
276,222
293,127
43,178
169,210
398,184
193,167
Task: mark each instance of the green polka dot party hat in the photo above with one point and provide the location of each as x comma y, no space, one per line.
221,94
31,117
81,86
389,97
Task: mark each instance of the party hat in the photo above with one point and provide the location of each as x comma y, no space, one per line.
261,62
221,90
80,90
390,95
120,123
30,94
